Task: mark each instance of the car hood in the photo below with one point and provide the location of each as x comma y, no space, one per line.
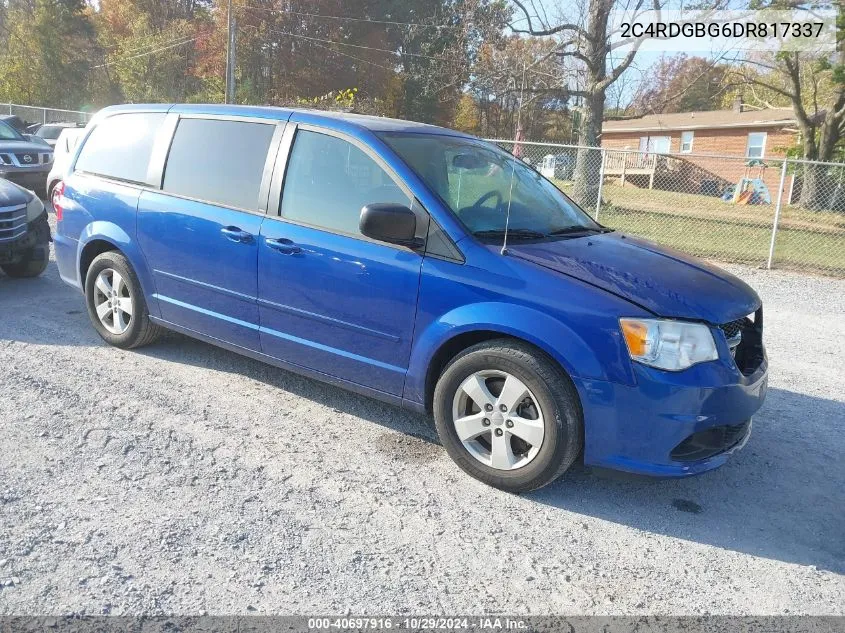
661,280
11,195
13,147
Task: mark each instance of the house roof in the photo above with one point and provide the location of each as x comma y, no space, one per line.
717,119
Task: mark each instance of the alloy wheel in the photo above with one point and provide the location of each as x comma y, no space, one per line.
498,420
113,301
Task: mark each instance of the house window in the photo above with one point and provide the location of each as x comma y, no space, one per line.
756,145
656,144
686,142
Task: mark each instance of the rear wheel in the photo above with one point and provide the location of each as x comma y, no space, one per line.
508,415
116,304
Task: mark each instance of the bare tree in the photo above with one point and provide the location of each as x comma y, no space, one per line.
586,40
815,88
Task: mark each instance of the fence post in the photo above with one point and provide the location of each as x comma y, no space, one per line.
777,215
601,182
44,116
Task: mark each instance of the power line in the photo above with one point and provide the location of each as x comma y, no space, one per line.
152,44
168,32
368,48
365,61
351,19
158,50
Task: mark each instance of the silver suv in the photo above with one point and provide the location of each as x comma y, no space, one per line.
24,159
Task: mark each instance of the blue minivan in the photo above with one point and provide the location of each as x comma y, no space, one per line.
419,266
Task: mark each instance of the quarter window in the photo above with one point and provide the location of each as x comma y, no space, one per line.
218,161
120,146
329,180
686,142
756,145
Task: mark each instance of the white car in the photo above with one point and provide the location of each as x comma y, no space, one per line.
50,132
62,152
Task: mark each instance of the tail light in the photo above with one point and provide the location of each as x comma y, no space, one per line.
58,200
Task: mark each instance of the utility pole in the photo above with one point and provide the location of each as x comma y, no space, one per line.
230,55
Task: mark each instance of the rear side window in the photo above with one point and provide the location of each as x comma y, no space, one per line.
218,161
120,146
329,180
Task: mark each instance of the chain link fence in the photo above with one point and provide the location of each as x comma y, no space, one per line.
769,213
33,114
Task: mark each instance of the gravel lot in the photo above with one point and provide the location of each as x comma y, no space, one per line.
184,479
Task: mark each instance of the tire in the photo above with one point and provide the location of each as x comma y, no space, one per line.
36,258
550,396
121,328
33,264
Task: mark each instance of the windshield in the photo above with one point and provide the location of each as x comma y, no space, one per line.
50,131
8,133
481,184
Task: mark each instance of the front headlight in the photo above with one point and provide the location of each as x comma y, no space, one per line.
670,345
34,208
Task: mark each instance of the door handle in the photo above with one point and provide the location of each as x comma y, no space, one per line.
283,246
236,235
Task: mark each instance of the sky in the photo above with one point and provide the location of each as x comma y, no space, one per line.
724,50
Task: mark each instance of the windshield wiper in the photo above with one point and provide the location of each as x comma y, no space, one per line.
527,234
572,230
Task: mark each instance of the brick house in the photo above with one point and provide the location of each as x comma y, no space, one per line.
692,146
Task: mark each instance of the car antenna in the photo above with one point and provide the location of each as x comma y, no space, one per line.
513,164
508,216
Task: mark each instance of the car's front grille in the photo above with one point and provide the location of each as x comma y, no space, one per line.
745,340
709,442
735,327
12,222
28,158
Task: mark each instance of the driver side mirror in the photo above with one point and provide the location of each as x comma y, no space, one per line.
390,222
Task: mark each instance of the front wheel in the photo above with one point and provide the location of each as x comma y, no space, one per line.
33,263
508,415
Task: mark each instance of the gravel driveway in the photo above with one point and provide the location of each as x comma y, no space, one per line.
185,479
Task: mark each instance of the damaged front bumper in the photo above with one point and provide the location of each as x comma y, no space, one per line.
13,250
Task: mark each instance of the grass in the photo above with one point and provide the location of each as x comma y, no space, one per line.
809,241
708,227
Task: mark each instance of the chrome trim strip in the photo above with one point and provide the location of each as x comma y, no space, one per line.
202,284
18,223
211,313
279,307
14,237
331,350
